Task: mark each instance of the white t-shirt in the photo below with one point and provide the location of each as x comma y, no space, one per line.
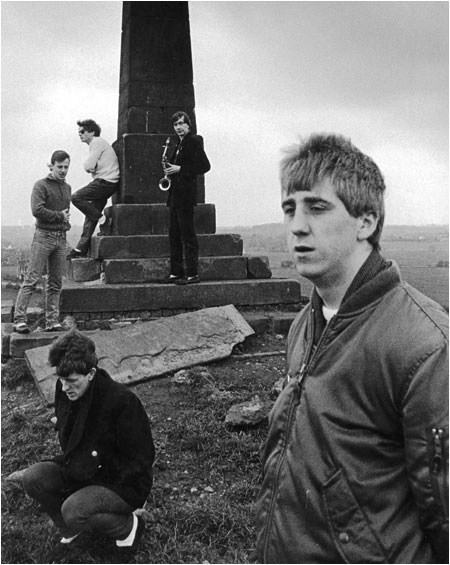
328,313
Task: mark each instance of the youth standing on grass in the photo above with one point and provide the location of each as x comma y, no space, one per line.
104,472
355,463
50,201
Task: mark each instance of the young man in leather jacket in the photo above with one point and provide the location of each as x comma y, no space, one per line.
355,463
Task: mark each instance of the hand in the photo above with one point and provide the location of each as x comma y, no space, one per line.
171,169
66,214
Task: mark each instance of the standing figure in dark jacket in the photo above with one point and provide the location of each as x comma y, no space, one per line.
355,463
50,202
188,160
105,470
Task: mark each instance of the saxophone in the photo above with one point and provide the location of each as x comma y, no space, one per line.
165,182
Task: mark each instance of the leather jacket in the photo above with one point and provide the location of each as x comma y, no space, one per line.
355,463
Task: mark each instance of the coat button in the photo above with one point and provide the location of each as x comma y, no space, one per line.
344,537
94,454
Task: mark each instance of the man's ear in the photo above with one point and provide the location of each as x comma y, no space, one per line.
91,374
368,225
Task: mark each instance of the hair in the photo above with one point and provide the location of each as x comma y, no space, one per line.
357,179
73,352
178,115
90,126
59,156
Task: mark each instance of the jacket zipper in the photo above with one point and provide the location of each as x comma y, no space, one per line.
295,401
438,466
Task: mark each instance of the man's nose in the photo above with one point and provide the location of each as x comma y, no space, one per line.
299,224
65,386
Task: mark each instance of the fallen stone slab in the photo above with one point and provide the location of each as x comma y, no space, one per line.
250,413
150,349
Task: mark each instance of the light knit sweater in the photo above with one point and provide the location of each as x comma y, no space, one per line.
102,162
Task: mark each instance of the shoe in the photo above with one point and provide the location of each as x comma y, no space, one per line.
22,328
75,254
102,225
68,541
55,328
190,280
131,549
171,279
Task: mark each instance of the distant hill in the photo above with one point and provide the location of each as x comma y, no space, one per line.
270,237
21,236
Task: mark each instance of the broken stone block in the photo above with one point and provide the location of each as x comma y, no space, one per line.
84,269
258,268
194,376
250,413
149,349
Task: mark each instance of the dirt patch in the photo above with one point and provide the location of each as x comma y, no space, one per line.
207,476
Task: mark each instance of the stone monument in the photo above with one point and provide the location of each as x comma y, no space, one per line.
119,278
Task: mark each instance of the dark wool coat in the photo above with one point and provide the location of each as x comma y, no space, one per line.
193,161
106,440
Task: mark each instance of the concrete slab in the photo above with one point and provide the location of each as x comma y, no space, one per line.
150,349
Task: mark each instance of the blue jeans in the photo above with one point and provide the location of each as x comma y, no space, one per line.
48,250
94,508
91,199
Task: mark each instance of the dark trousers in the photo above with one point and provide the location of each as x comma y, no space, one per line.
182,236
91,199
91,509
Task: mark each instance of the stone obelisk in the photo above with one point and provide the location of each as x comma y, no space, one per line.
156,80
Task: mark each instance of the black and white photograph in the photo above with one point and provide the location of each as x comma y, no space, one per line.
225,281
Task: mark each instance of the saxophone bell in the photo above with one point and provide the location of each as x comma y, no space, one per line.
165,182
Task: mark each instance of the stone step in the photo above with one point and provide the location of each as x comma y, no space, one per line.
118,271
147,246
152,219
93,300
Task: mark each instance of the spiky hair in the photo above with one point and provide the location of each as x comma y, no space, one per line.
357,179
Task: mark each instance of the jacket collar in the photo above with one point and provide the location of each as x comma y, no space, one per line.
51,178
374,279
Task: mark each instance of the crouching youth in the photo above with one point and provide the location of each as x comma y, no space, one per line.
104,472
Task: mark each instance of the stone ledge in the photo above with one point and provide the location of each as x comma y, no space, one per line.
94,298
150,246
118,271
153,219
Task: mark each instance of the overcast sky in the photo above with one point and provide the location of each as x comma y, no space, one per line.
265,73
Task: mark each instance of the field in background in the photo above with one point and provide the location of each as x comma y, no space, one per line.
417,261
416,249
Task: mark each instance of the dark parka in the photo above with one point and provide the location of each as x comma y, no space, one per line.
355,464
106,440
193,161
